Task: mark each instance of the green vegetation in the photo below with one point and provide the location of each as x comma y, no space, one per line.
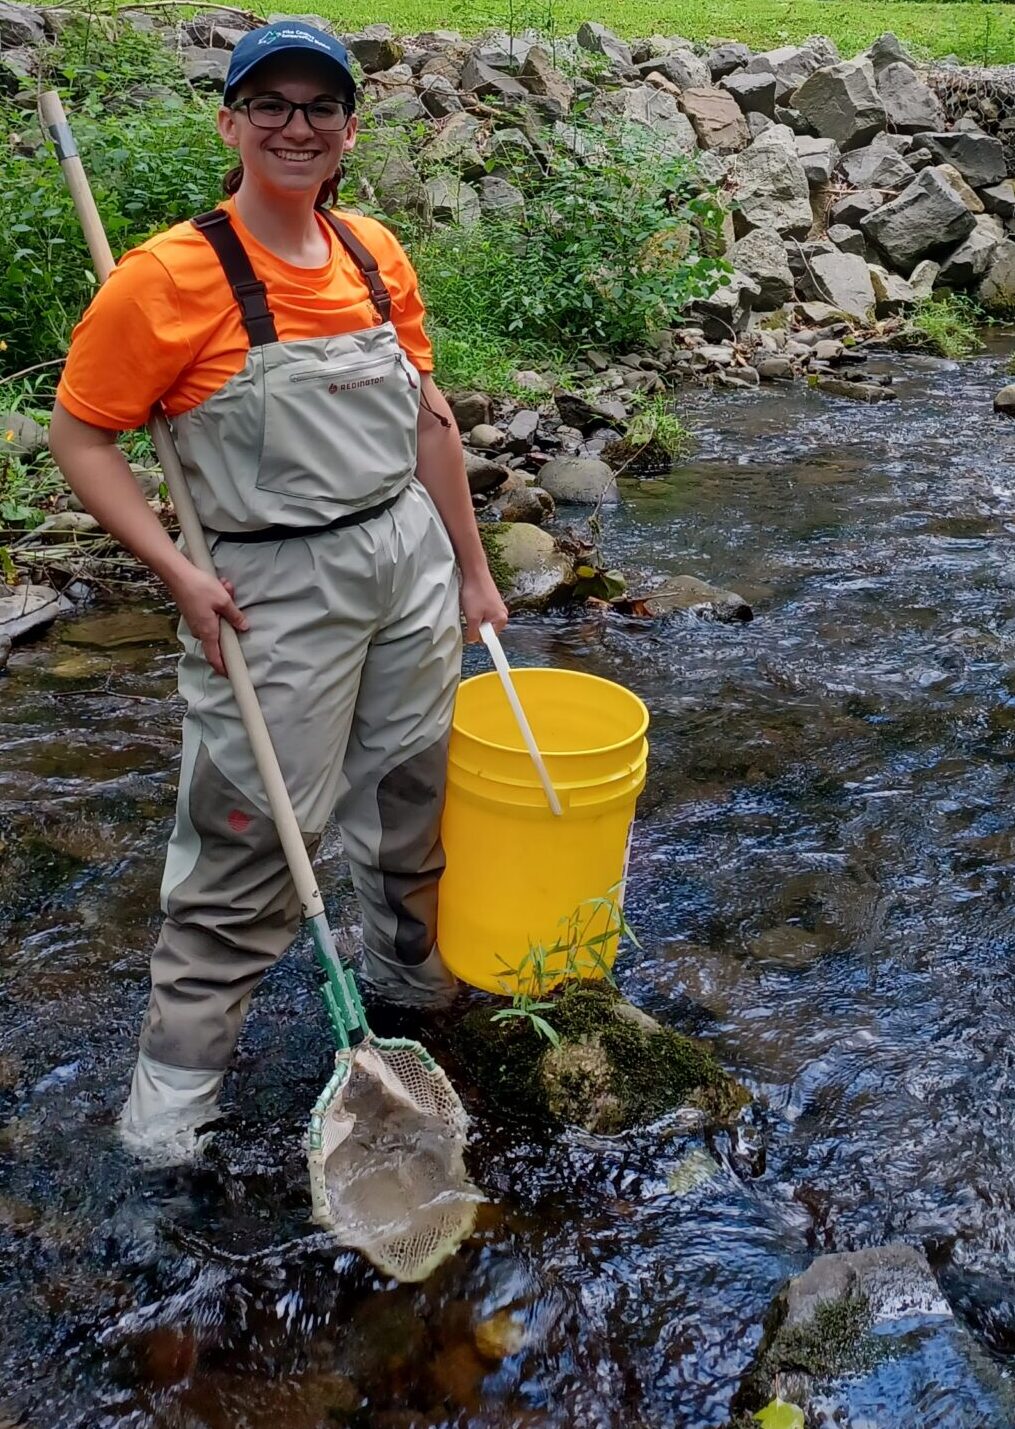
614,236
947,324
153,159
608,245
836,1341
654,439
977,33
25,486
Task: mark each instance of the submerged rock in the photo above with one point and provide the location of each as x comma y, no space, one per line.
867,1336
608,1070
689,593
120,629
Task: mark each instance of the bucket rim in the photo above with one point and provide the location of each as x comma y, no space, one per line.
541,670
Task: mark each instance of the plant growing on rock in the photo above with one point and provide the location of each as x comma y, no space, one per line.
947,324
570,1050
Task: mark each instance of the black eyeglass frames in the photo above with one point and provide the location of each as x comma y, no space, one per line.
269,111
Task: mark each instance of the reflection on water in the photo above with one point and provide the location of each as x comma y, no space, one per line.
821,879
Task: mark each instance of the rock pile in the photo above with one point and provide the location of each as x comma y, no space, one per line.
852,192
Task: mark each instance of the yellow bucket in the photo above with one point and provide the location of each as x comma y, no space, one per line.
518,876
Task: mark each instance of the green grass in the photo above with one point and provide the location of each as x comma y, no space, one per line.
946,324
977,33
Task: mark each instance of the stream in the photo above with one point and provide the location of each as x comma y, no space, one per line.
821,881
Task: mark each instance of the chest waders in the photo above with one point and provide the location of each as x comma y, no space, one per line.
302,469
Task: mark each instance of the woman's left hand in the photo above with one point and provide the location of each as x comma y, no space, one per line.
481,600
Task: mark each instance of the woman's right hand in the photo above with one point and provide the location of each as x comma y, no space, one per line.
203,601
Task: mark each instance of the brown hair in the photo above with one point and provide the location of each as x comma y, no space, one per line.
327,194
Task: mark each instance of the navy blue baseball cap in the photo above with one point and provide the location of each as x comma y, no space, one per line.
286,37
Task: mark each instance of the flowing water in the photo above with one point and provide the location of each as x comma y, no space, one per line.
821,879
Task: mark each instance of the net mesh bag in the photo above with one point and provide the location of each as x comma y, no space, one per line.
386,1157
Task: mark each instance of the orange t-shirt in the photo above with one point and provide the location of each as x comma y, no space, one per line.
166,327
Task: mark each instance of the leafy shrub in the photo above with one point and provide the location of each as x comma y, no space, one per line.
150,164
610,245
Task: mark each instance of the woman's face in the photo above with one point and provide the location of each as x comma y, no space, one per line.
297,158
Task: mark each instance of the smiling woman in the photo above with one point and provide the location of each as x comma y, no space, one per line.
286,344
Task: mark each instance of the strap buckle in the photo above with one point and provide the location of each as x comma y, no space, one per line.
252,298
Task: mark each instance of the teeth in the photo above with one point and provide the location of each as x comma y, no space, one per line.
300,155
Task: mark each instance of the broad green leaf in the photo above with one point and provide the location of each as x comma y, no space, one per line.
780,1414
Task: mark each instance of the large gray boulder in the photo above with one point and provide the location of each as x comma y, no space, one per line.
841,103
395,183
887,50
29,609
771,186
455,145
509,152
532,572
928,217
841,279
500,199
205,69
978,157
578,481
21,435
891,293
971,261
865,1337
723,59
681,67
20,25
376,48
754,93
854,208
729,308
790,64
452,200
876,167
968,195
485,82
997,291
598,40
911,106
658,111
848,240
717,119
818,157
541,78
1000,199
761,254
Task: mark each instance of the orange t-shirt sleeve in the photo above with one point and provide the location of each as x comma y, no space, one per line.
128,349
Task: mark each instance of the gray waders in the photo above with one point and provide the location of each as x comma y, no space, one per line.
302,468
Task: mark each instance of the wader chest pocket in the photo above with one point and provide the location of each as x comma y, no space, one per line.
338,431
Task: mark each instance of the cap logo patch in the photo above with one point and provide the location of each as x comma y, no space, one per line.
293,34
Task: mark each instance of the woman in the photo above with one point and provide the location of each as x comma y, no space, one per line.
288,350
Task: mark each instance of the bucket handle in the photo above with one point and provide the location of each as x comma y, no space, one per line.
496,649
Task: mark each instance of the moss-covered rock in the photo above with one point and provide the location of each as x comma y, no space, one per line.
868,1335
613,1066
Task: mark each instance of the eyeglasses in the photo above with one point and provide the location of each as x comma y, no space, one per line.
268,111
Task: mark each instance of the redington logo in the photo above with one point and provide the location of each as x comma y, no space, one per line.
352,386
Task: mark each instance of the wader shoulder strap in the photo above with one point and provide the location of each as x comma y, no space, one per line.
365,262
250,293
